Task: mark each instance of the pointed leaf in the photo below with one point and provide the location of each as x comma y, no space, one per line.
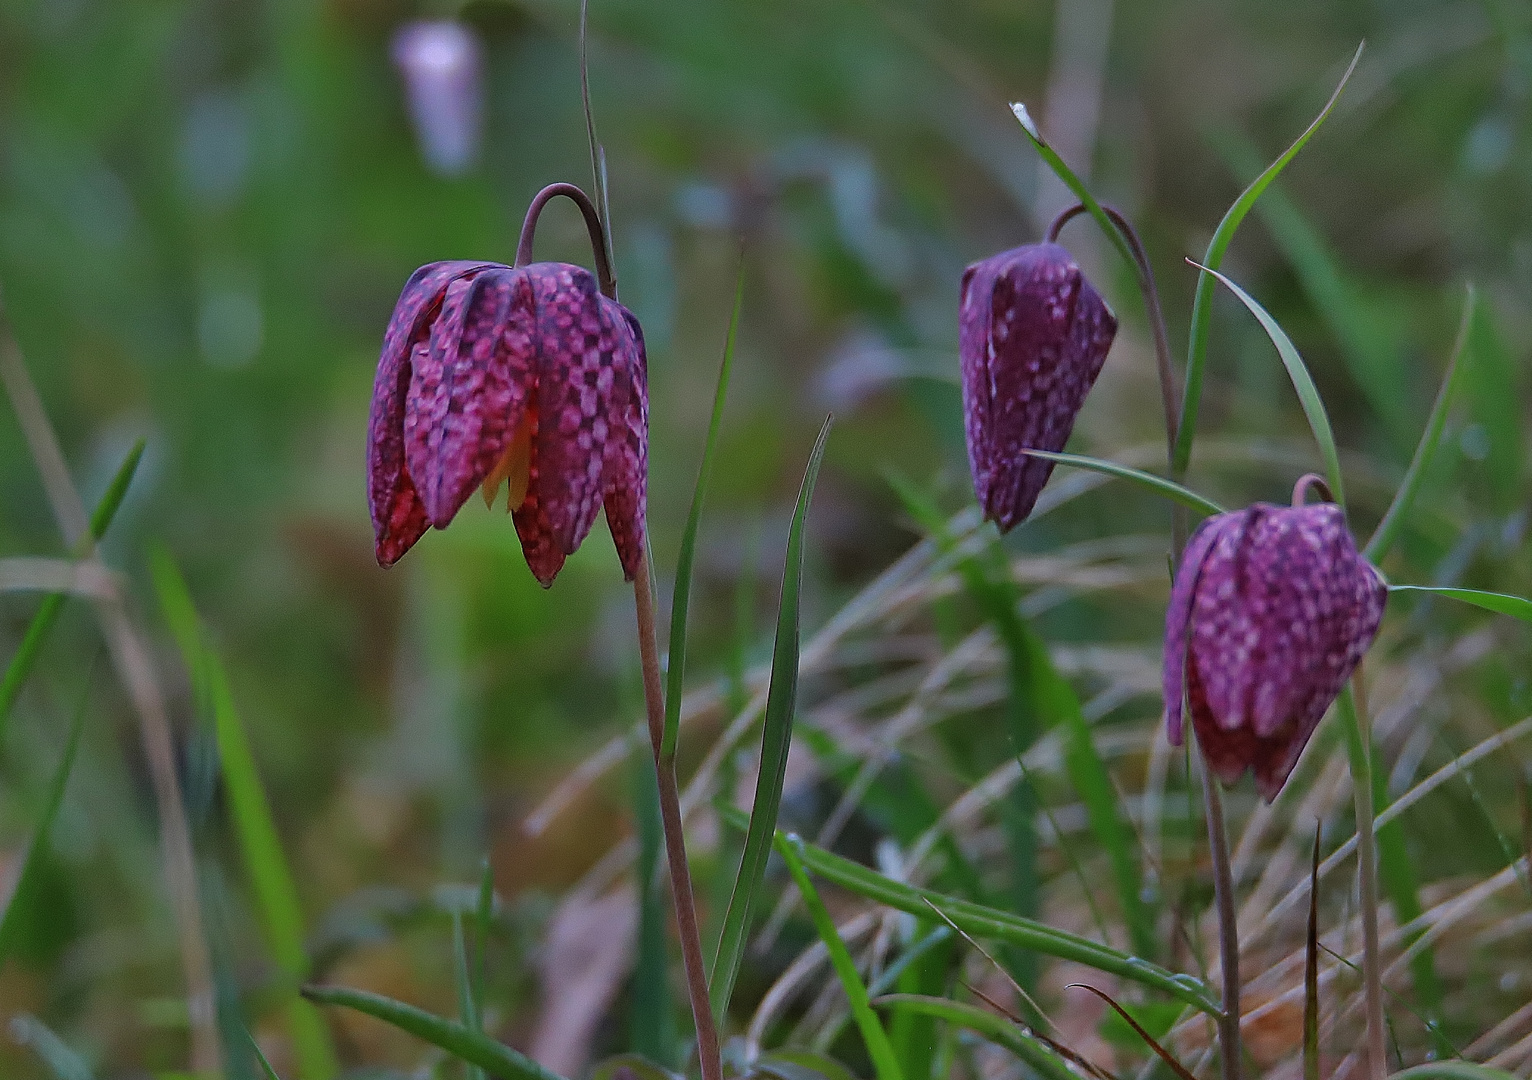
1202,310
1157,484
996,1029
476,1048
776,735
1500,603
1071,181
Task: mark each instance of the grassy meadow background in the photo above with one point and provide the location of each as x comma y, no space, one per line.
207,210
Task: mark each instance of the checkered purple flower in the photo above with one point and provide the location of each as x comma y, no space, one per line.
1271,611
1033,335
524,376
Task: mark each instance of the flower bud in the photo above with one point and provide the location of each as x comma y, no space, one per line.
1033,335
1271,611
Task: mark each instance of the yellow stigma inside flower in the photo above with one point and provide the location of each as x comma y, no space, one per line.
514,466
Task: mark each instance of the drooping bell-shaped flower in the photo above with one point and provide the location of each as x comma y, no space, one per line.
1033,335
524,376
1271,611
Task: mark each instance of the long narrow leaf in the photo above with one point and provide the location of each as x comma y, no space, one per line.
476,1048
467,1003
270,878
1157,484
1501,603
776,734
1388,529
26,881
1303,383
61,1059
884,1062
996,1029
1072,182
1452,1070
675,675
1202,305
41,626
988,922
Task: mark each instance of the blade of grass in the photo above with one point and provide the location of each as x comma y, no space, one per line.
1359,756
270,877
62,1061
41,626
1138,1029
994,924
675,675
467,1003
26,881
1303,383
884,1061
776,735
1387,532
1202,305
1500,603
476,1048
1157,484
484,915
255,1048
996,1029
1072,182
887,978
1452,1070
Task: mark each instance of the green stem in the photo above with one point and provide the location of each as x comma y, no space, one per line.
1228,927
1358,745
675,840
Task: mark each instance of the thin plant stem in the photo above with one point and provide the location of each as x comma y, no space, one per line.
1228,928
1359,744
675,841
604,272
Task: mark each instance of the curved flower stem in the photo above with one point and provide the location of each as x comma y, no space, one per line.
1311,480
675,841
604,272
1151,295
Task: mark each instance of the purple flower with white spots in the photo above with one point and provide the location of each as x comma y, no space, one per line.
1271,611
1033,335
525,376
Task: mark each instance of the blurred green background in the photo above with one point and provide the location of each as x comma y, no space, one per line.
207,209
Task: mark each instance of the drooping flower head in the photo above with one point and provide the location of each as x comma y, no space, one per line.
1271,611
1033,335
526,376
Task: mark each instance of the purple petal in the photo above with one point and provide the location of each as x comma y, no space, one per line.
1173,666
470,394
626,468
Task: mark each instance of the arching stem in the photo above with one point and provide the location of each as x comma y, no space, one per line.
604,273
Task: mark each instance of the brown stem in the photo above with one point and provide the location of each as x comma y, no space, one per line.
1311,480
1228,928
1372,974
1151,293
675,841
604,272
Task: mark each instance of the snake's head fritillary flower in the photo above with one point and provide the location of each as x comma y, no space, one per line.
526,377
1033,335
1271,611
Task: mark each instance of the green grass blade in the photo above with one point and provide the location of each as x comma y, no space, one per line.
250,810
484,915
62,1061
474,1047
1157,484
776,734
41,626
987,922
1387,532
1303,383
885,1063
1452,1070
1202,304
1072,182
255,1048
1500,603
467,1003
26,881
680,602
996,1029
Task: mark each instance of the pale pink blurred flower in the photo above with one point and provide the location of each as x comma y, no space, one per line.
442,64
